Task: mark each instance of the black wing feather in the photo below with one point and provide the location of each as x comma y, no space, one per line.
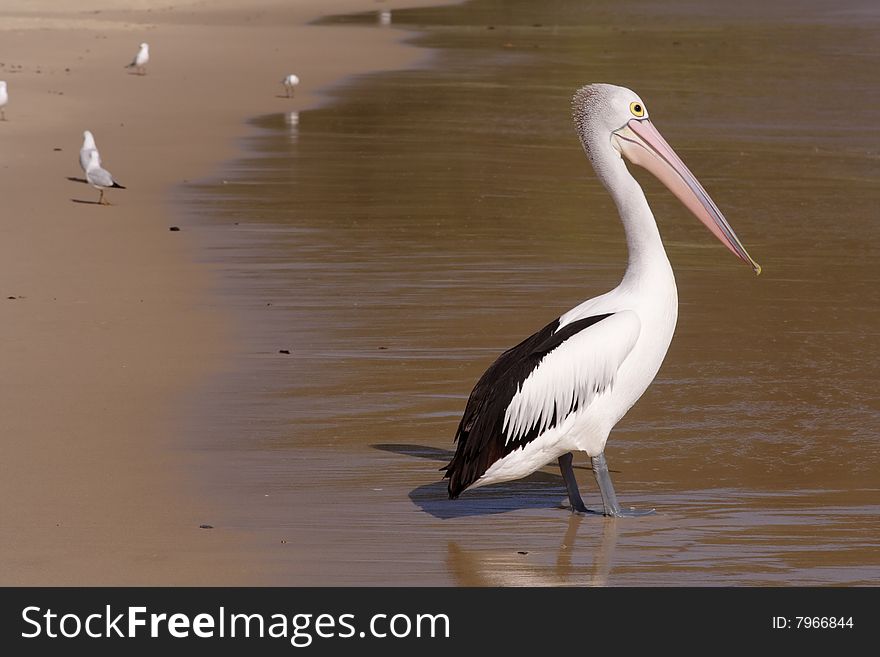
480,434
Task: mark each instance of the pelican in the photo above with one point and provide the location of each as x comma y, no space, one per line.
565,388
86,150
4,99
139,63
99,178
290,81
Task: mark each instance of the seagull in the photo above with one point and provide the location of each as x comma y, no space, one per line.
4,99
563,389
139,63
99,178
289,82
86,150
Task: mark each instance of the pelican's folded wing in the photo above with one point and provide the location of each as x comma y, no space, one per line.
578,367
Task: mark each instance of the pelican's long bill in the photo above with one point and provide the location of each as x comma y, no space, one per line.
640,142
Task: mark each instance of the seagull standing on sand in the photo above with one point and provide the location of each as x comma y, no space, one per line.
4,98
140,60
86,151
289,82
99,178
563,389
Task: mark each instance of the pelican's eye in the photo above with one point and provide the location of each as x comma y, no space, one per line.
637,109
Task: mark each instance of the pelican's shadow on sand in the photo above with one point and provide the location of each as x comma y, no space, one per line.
540,490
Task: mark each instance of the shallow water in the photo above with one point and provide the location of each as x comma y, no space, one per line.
398,238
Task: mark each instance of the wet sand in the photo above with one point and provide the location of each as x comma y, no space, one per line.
397,239
108,320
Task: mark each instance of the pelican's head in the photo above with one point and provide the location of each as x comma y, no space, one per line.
614,121
600,109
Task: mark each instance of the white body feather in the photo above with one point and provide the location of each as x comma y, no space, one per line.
141,58
290,82
85,152
96,176
143,55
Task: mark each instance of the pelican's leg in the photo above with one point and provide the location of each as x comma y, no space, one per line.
606,488
571,484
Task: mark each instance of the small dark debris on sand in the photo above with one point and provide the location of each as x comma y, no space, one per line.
174,229
522,552
284,351
206,526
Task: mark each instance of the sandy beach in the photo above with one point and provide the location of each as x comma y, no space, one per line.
107,320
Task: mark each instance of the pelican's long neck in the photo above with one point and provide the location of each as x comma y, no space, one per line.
647,257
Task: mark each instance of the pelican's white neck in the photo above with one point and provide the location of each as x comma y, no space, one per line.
647,257
646,252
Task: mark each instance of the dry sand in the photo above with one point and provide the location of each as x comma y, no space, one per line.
113,321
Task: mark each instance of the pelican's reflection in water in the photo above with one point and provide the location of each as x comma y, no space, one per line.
292,121
520,568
